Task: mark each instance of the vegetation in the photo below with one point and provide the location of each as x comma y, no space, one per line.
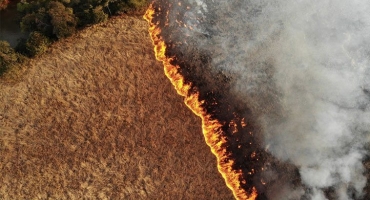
49,20
61,18
3,4
8,57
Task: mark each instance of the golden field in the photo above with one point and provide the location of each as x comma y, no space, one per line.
96,118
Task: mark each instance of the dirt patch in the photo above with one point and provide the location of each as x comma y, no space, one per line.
96,118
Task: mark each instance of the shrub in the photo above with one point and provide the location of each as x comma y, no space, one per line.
138,3
23,7
8,57
124,6
99,15
62,20
36,44
37,21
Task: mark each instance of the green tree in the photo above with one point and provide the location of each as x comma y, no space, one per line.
138,3
36,44
23,6
37,21
89,12
124,6
98,15
62,19
7,56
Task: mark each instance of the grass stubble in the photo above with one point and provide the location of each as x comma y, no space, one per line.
96,118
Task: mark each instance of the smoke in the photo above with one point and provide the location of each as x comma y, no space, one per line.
302,68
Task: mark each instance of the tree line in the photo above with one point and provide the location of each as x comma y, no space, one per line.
47,21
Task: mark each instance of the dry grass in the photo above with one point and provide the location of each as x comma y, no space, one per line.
96,118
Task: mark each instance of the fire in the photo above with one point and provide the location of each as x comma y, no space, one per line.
213,134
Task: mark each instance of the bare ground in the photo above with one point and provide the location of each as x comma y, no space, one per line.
95,118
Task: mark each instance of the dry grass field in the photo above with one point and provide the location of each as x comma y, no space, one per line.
96,118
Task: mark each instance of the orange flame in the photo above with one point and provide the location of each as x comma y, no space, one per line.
211,127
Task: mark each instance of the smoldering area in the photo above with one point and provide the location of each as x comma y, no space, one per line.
297,72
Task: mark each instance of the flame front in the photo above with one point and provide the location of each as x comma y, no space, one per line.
213,134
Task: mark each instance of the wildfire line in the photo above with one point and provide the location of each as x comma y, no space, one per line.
213,134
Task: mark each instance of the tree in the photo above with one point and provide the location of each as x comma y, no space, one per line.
37,21
37,43
138,3
23,6
124,6
99,15
3,4
89,12
8,57
62,19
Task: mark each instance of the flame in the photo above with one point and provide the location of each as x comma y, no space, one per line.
211,127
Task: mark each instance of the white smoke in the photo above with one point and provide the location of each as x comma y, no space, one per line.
302,67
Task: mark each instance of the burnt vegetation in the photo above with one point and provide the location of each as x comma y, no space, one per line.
239,126
260,169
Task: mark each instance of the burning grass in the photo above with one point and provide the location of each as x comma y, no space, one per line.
96,117
212,131
178,64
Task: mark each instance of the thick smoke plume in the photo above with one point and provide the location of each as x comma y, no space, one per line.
302,69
